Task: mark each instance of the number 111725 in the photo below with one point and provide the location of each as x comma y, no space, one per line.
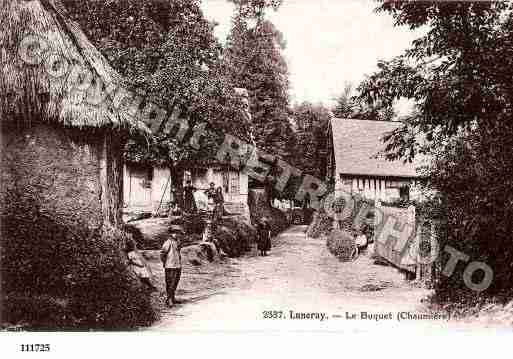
35,347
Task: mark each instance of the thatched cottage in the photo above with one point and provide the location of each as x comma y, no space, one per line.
150,188
146,188
355,165
61,135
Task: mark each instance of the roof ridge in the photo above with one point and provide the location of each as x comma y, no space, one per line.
356,119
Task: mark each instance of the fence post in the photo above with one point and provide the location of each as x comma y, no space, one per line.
377,205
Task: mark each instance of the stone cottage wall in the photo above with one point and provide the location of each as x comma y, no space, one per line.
51,174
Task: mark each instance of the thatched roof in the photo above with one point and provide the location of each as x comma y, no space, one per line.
28,93
357,145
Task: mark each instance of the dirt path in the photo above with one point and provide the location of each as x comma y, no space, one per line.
300,275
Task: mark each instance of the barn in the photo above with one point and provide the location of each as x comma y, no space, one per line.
355,165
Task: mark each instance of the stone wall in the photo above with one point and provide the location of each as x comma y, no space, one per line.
76,181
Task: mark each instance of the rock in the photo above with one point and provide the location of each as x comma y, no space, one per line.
149,233
199,254
195,262
208,251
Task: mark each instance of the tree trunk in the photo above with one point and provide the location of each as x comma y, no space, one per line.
177,173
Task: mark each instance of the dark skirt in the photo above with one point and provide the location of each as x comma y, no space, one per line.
189,202
264,242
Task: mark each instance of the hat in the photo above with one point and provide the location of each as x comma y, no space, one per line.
175,229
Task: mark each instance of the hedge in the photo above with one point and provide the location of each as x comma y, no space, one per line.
63,277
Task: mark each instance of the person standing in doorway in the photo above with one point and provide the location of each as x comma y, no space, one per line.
189,201
172,262
211,195
219,204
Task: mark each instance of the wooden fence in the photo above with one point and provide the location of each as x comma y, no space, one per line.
413,248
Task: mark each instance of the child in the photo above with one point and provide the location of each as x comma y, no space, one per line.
137,265
172,262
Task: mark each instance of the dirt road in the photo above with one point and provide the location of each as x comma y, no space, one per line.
299,279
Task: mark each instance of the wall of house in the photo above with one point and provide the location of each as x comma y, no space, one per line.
373,187
145,188
44,174
235,201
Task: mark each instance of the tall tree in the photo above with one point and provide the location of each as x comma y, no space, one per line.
254,61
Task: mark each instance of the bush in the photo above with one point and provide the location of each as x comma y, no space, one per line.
55,276
342,245
321,224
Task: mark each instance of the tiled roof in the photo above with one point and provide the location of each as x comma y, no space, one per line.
357,142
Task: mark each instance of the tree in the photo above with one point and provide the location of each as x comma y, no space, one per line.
167,50
254,61
458,74
349,105
312,123
255,8
344,107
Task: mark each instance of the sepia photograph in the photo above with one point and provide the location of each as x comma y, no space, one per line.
255,166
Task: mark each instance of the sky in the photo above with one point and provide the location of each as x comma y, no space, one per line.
329,42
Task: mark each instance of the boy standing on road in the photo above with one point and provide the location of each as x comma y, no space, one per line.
172,262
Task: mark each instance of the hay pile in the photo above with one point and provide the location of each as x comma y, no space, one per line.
342,245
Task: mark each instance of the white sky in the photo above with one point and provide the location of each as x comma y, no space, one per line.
329,42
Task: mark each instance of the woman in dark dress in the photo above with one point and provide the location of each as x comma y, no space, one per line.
189,203
264,237
219,204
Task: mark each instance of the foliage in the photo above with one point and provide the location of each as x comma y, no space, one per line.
255,8
458,75
310,153
167,50
349,105
253,60
86,286
321,224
